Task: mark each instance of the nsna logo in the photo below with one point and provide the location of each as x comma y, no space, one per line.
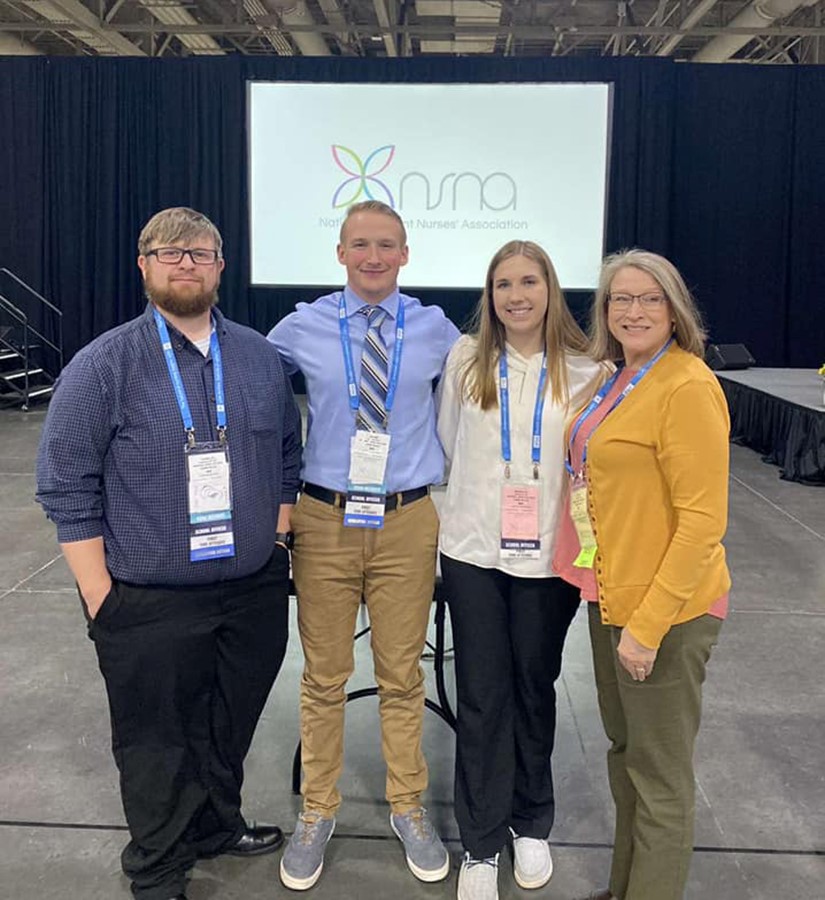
363,175
496,191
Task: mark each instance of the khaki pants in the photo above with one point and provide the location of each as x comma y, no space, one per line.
393,568
652,726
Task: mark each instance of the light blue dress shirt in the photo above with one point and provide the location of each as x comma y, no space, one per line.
309,341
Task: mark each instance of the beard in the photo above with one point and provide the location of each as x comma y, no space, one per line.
186,304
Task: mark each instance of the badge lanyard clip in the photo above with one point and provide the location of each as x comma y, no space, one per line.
538,412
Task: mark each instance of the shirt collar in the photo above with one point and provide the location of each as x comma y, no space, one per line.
355,303
513,354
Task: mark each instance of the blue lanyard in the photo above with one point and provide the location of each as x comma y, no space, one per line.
538,411
346,346
603,392
177,381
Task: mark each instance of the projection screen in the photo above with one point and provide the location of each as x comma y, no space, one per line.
467,166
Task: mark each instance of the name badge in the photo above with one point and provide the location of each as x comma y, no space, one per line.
581,521
520,522
210,502
366,490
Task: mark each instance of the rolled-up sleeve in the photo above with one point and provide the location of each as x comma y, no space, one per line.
73,445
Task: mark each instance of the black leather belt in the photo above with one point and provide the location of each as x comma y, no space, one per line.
338,500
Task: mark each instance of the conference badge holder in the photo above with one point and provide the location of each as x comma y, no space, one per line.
520,535
366,490
520,521
210,501
581,521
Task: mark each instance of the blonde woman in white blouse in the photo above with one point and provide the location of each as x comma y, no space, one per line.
506,392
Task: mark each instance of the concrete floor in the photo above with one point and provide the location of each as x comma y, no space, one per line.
761,800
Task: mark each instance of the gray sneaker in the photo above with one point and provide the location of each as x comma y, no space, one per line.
303,858
426,857
478,878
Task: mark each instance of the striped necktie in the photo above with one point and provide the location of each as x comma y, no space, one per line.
372,392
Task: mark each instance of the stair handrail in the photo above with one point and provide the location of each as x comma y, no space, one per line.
6,304
15,311
31,290
58,347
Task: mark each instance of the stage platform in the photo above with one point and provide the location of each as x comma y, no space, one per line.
780,414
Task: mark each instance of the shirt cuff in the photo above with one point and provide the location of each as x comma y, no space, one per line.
69,533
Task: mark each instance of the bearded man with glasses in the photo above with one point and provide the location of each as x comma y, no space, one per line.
169,462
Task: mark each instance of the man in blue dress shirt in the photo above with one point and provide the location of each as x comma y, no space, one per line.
169,462
365,525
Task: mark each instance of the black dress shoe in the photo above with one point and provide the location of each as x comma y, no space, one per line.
257,840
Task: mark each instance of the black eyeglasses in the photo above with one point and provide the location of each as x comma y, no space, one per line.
173,255
646,301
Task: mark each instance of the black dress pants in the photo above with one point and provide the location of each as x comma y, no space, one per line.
508,636
188,671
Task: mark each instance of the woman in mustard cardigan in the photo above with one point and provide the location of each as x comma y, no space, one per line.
648,496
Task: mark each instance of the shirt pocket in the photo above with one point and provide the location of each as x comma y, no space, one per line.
265,411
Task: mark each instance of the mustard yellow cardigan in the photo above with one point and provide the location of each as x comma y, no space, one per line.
657,472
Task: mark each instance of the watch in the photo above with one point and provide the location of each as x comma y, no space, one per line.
287,538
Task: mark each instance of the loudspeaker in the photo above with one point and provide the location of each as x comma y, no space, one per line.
728,356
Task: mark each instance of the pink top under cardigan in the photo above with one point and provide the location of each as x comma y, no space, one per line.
567,542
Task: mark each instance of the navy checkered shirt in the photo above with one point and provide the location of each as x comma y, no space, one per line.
111,458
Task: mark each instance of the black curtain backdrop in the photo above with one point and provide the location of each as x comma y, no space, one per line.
718,167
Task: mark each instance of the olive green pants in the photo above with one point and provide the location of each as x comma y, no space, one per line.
652,727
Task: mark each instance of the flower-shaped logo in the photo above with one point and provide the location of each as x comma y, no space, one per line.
363,175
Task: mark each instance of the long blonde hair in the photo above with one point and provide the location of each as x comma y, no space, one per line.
561,333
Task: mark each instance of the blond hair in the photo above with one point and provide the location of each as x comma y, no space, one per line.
561,333
375,206
178,223
688,329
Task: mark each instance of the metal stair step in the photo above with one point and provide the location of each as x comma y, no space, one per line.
9,354
19,373
41,391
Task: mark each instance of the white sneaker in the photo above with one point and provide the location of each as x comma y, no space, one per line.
478,878
532,862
